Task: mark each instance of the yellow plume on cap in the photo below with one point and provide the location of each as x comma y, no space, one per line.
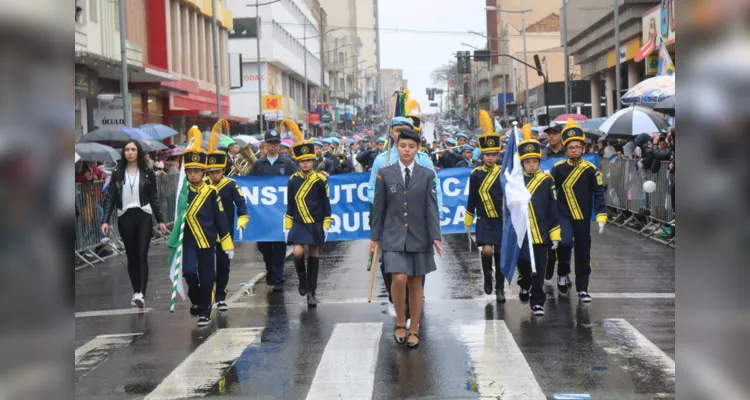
570,123
194,138
413,107
213,139
486,122
291,126
526,131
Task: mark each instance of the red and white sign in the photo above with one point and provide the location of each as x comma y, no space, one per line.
314,118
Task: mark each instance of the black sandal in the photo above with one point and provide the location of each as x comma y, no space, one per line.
410,344
399,340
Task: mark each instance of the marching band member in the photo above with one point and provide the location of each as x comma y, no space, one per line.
486,202
321,163
272,164
205,227
307,218
543,217
392,156
467,161
406,225
554,149
231,197
580,187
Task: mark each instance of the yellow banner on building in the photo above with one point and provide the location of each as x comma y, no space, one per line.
271,102
628,50
652,64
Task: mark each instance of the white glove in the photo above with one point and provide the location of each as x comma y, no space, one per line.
239,232
230,254
325,236
601,227
554,244
468,229
286,235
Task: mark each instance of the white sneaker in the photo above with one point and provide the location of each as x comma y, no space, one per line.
139,301
132,300
391,310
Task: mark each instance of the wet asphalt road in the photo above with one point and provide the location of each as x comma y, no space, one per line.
621,346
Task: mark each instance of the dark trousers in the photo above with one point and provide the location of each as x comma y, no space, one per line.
274,254
575,233
198,270
222,273
135,230
551,261
533,283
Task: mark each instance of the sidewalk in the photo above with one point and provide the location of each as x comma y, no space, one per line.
106,286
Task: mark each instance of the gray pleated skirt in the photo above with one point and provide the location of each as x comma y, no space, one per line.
411,264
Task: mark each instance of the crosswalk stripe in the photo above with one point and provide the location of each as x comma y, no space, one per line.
98,349
623,340
347,368
498,365
104,313
200,371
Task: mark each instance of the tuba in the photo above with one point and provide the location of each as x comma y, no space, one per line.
244,161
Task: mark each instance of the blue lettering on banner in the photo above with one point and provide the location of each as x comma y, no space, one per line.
266,200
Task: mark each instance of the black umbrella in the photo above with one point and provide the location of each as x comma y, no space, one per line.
666,107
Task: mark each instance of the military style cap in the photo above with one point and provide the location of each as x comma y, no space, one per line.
572,132
553,127
216,160
489,142
304,150
272,135
529,149
194,156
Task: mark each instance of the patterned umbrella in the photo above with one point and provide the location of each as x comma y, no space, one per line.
650,91
633,121
575,117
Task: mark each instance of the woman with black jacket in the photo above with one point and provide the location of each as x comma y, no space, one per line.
132,191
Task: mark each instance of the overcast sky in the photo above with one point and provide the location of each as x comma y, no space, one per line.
418,54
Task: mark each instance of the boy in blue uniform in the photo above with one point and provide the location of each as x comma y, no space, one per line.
308,218
231,197
205,226
543,217
486,202
580,188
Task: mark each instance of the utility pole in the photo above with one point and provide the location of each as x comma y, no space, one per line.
217,74
260,79
124,67
565,54
307,98
377,49
618,78
525,69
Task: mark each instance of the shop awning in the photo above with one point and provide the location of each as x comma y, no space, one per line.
213,115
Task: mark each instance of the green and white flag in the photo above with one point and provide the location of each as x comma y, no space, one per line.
175,240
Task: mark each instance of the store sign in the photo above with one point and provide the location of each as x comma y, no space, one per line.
658,24
314,118
271,102
628,51
109,114
652,64
326,117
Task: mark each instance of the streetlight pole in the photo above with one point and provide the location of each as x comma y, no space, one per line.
260,80
307,98
124,67
217,73
618,78
565,54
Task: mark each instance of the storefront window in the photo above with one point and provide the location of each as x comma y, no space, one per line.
155,110
136,106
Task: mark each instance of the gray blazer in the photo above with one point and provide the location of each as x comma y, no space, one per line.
405,218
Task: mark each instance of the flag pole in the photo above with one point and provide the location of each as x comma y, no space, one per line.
526,212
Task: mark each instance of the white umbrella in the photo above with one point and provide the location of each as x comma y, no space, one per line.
245,139
77,157
633,121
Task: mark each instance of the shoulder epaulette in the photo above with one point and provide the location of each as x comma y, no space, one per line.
321,176
476,169
560,162
590,164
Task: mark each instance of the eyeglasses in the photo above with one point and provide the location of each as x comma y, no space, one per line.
574,148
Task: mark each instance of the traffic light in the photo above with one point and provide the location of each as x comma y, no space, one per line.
481,55
538,65
463,63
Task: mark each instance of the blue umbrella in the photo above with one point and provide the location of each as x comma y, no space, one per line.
158,131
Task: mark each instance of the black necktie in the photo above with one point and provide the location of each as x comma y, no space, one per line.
407,178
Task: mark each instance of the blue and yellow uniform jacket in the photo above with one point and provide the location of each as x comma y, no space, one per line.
307,200
485,194
543,208
231,197
580,187
205,222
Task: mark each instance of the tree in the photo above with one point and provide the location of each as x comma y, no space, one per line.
444,74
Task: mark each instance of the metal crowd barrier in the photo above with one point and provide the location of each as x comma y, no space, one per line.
632,208
89,240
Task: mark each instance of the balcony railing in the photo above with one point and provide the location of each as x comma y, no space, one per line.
81,37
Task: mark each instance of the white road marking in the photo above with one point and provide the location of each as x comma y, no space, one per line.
347,368
244,290
623,340
633,295
498,365
97,350
200,371
104,313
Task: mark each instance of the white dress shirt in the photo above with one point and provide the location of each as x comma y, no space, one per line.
404,167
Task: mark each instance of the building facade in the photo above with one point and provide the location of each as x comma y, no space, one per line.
290,46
